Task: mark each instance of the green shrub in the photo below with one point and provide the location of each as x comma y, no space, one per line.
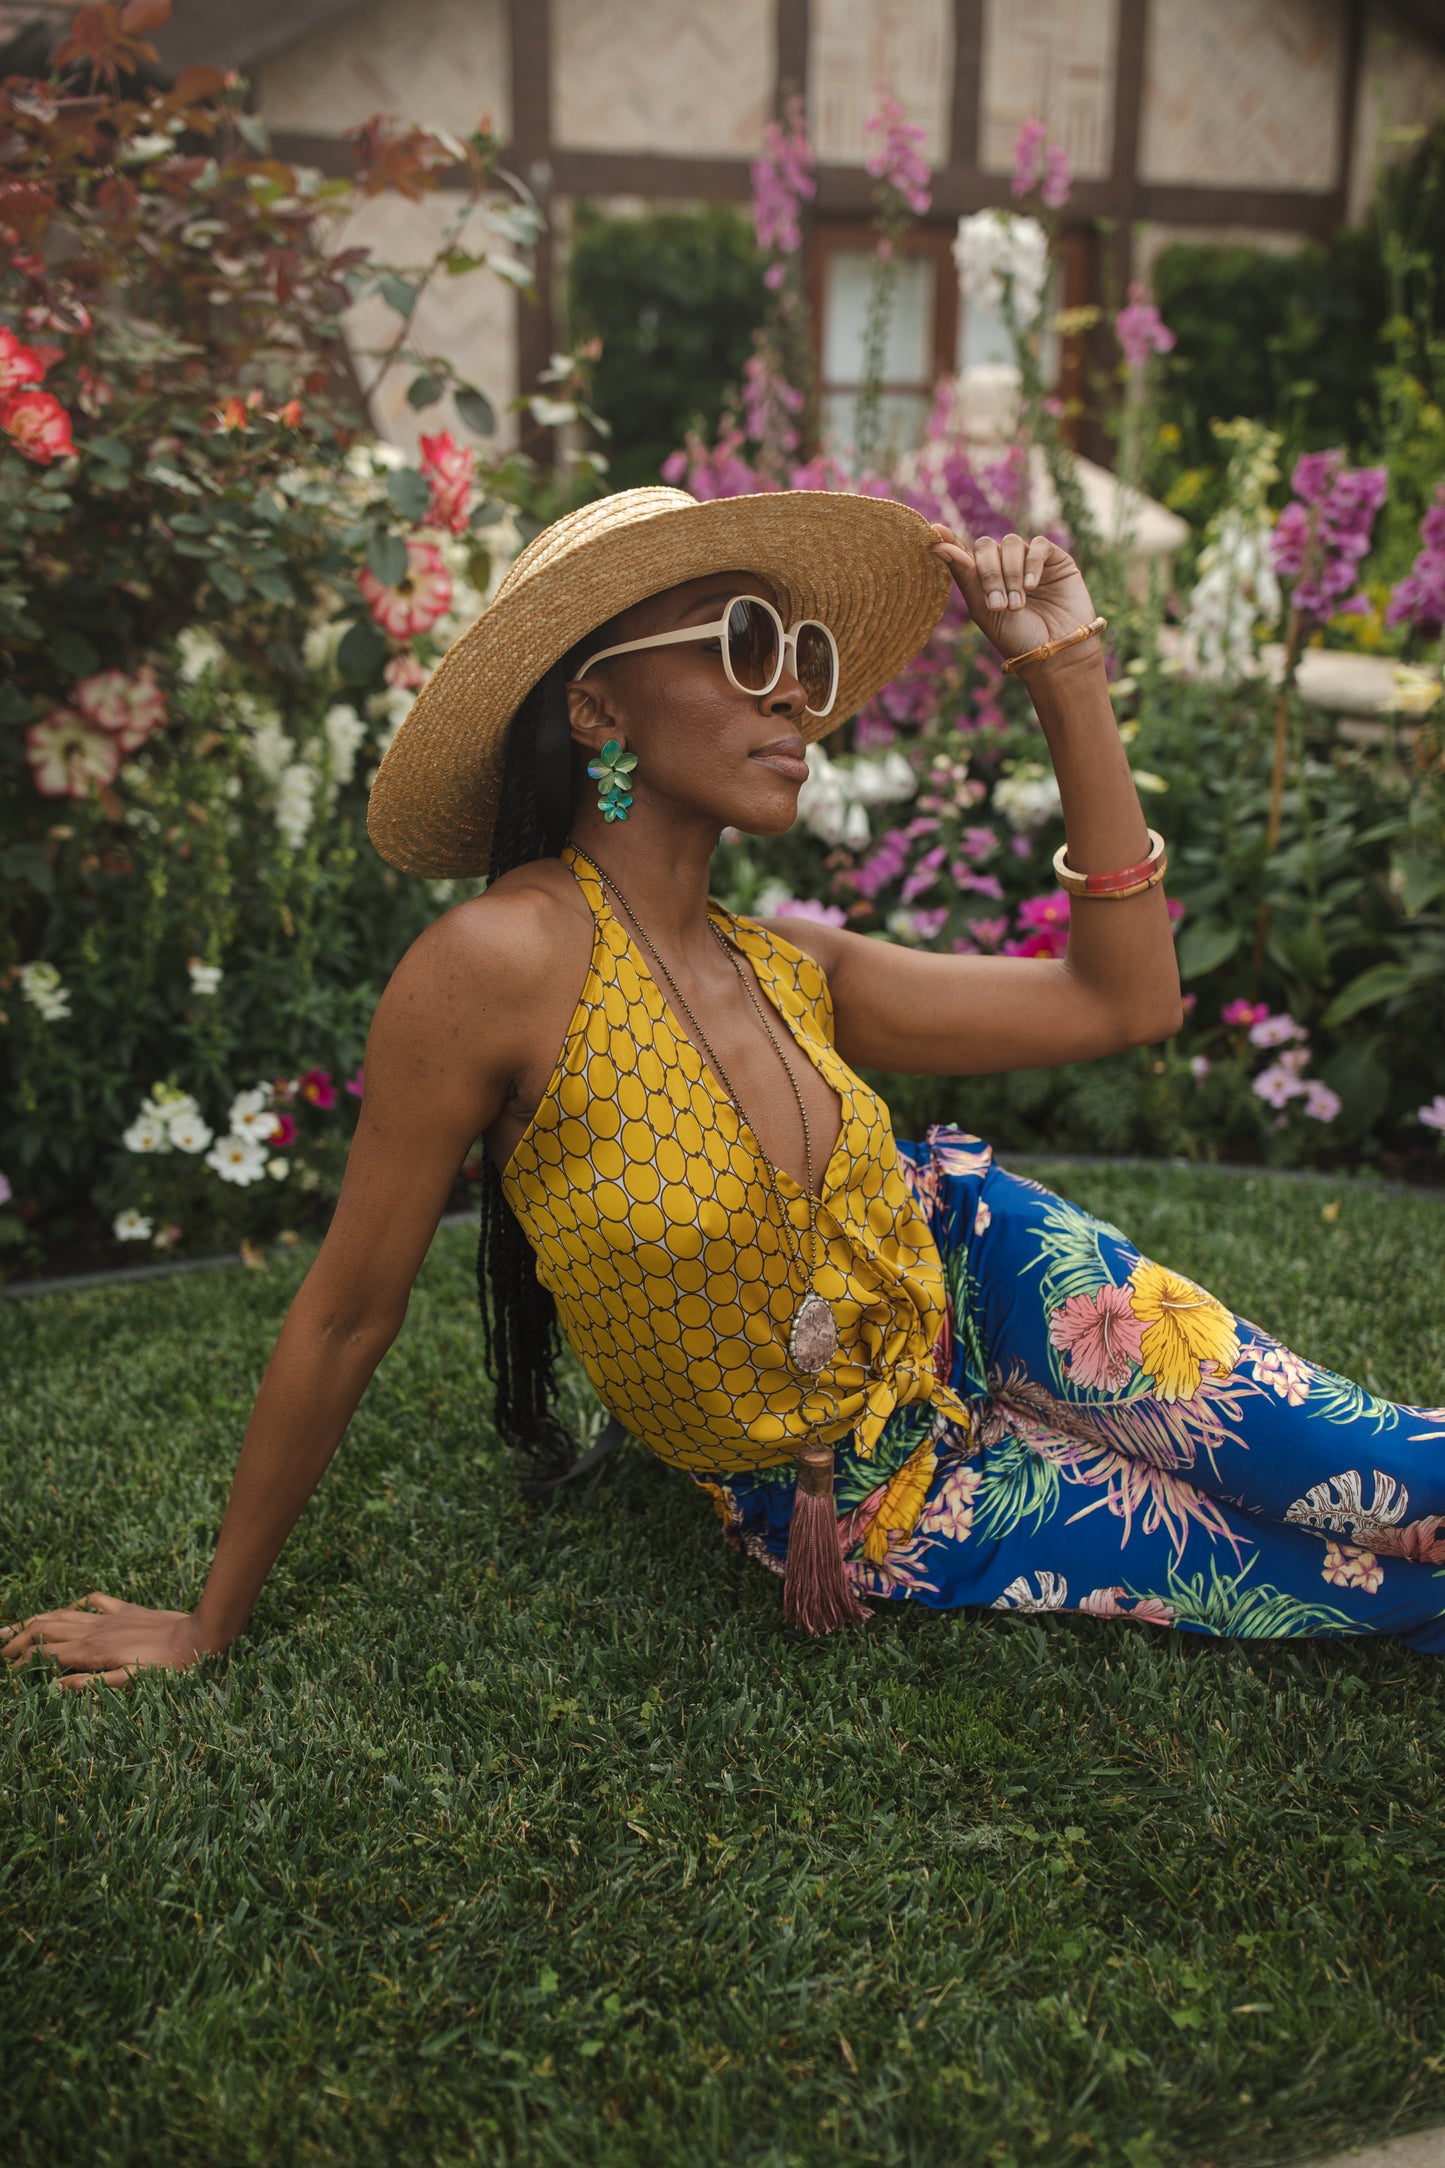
674,298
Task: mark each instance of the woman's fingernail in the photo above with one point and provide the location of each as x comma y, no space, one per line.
1031,579
1016,600
995,598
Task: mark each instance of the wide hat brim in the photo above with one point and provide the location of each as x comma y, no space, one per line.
863,566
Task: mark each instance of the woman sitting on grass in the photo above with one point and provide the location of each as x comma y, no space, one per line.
897,1370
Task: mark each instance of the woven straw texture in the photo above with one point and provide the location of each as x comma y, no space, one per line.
861,565
658,1228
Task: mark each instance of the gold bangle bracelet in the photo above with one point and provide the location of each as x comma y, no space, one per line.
1053,647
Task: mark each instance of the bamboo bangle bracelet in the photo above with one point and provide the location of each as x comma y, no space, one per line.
1114,887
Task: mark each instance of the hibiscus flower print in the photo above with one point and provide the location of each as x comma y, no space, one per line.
1100,1337
950,1511
1184,1328
1346,1566
1284,1373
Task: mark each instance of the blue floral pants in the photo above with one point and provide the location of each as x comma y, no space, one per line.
1137,1451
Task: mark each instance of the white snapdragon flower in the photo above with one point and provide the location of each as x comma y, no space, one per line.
833,803
889,781
271,748
345,733
132,1226
251,1116
1415,688
238,1160
186,1130
205,978
996,249
1028,797
199,652
323,637
40,985
295,802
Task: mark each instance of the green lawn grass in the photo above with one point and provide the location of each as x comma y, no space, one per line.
528,1834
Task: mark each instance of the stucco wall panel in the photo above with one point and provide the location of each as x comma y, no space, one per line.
688,77
438,62
1243,95
855,46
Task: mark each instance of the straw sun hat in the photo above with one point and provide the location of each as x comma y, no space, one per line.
862,565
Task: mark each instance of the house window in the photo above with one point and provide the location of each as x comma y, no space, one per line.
932,330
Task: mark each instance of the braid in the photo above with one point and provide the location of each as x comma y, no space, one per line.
521,1340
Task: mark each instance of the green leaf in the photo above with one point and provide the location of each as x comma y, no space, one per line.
27,862
475,409
409,492
488,512
274,586
397,293
73,654
113,450
1380,983
361,654
386,556
1418,878
424,391
1363,1083
228,580
1204,946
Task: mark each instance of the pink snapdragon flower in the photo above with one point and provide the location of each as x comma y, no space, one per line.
1419,599
821,914
988,932
1042,165
1141,330
450,469
895,158
1322,535
783,180
1433,1116
717,470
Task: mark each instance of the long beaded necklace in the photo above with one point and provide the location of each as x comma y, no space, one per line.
813,1339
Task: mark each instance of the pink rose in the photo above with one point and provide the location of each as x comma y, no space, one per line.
419,598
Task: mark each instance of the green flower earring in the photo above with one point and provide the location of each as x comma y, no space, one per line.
611,771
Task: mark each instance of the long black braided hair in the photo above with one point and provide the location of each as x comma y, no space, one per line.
521,1339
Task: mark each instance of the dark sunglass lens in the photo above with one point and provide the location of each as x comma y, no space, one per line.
816,673
752,645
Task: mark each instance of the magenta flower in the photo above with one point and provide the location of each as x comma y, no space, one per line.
284,1133
317,1087
783,180
928,925
1320,537
1100,1337
1141,330
823,914
1051,911
1042,165
6,1193
1419,599
1244,1012
1433,1116
354,1083
988,932
770,402
896,159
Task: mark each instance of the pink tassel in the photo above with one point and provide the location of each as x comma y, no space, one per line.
816,1595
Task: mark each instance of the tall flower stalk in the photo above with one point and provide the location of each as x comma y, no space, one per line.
897,164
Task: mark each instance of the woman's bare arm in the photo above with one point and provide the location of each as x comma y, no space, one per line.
1118,984
444,1044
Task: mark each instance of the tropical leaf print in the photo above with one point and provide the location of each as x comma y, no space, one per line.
1051,1595
964,1308
1069,1260
1338,1504
1019,1482
1340,1400
1220,1603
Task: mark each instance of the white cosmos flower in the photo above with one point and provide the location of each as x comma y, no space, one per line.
205,978
278,1168
238,1160
147,1133
187,1132
131,1226
251,1116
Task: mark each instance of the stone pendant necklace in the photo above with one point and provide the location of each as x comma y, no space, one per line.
813,1339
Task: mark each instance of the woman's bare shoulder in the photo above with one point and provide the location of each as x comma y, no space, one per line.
515,939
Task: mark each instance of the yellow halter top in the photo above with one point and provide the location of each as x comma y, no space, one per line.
657,1229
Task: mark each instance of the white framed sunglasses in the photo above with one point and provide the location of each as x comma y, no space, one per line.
755,650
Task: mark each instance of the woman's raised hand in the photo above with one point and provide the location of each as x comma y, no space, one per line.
1022,594
104,1642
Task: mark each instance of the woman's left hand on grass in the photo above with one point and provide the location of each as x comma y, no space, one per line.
1021,594
104,1642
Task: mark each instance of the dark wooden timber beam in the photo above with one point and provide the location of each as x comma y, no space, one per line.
530,154
792,69
967,94
1352,60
